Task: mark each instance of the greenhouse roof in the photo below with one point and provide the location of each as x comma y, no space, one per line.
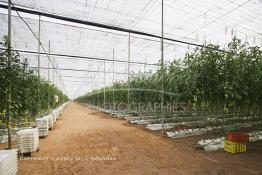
79,51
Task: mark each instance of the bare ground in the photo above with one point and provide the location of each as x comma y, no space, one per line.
88,142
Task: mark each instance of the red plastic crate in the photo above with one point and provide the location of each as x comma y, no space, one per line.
239,137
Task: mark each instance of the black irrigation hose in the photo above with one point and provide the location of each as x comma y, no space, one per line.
49,15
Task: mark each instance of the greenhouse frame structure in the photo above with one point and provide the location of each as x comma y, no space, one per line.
163,39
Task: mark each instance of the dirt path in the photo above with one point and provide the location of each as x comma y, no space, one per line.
87,142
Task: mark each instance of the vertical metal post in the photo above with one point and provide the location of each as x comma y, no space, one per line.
38,64
104,84
56,78
162,69
128,76
145,66
39,38
56,82
86,87
94,87
54,71
48,74
113,81
98,87
8,96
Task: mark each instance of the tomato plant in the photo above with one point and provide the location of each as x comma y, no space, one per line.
206,79
26,101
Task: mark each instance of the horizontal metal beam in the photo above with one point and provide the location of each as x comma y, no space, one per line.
78,56
77,70
69,76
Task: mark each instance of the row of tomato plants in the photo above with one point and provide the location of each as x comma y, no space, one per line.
206,78
30,95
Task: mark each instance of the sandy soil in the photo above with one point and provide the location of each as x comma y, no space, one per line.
87,142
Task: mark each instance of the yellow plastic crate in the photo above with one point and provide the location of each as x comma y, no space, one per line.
234,147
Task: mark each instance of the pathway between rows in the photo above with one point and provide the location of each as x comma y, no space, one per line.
87,142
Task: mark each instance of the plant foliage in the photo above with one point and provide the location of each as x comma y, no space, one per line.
206,79
30,95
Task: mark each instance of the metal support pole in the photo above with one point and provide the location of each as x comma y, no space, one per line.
48,76
145,66
98,86
56,78
39,38
54,71
86,87
38,64
113,81
94,87
162,69
128,76
104,83
8,96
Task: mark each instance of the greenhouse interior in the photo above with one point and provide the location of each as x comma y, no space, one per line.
131,87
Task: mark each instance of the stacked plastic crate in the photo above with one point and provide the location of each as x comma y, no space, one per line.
28,140
8,162
50,121
60,110
54,114
42,125
236,142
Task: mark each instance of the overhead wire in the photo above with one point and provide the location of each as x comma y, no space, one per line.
33,12
71,69
82,57
33,35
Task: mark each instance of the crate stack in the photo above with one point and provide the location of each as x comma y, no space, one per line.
236,142
50,121
8,162
42,125
54,114
58,112
27,140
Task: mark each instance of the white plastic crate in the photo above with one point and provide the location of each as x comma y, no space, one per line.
58,112
28,140
55,114
42,125
8,162
50,121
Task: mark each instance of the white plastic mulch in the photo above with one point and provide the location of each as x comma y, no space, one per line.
212,144
158,126
187,133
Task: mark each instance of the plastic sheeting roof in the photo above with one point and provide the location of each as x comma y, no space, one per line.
197,21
